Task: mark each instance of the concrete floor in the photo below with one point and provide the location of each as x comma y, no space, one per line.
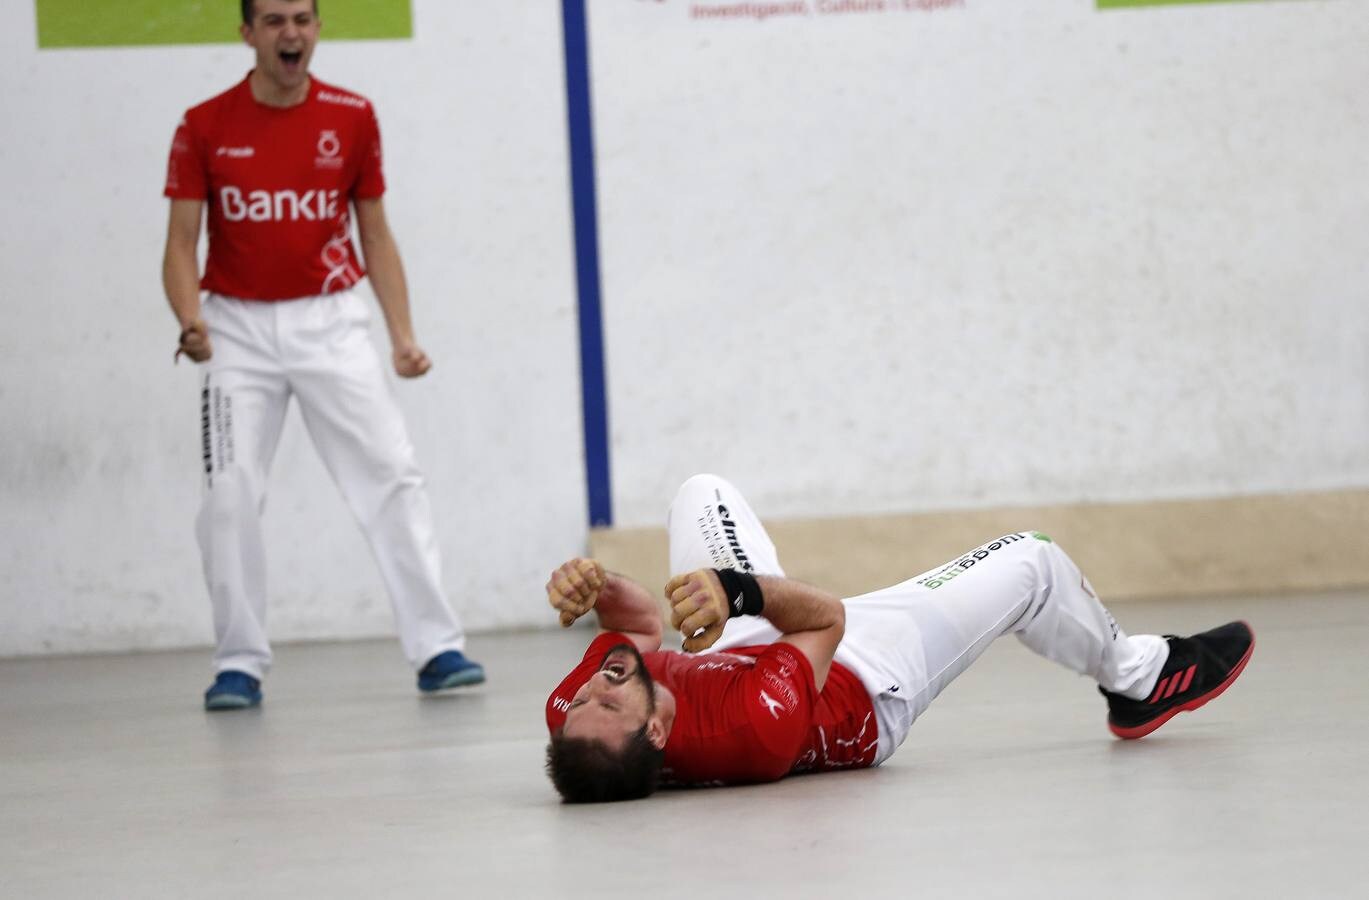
114,783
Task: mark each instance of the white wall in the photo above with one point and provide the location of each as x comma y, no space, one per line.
996,254
1002,253
99,454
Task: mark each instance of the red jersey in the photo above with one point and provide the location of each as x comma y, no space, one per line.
746,715
278,182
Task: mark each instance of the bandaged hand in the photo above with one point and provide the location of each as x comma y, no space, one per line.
574,588
698,608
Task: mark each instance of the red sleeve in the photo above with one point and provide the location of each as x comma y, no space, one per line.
371,180
559,701
185,172
781,694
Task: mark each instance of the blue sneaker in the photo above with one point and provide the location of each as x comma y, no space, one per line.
448,670
233,690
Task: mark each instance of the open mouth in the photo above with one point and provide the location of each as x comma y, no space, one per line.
616,671
618,667
292,57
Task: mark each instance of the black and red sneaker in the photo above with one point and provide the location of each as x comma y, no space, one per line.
1198,669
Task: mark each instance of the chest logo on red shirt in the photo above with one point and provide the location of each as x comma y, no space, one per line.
329,148
278,206
772,705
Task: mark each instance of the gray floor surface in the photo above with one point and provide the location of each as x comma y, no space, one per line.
114,783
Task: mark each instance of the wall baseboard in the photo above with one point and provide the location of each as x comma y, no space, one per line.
1171,548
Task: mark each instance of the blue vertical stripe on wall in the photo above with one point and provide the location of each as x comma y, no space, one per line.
593,388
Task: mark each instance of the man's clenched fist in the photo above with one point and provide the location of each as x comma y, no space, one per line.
195,341
410,360
698,608
574,588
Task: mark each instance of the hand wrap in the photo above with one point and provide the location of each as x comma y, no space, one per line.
744,596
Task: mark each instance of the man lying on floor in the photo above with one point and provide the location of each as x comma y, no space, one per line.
796,680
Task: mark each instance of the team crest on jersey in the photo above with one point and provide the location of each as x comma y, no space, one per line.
329,148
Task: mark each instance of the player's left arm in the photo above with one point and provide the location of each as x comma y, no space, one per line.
809,619
381,255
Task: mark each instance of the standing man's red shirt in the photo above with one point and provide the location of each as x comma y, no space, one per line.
748,714
278,183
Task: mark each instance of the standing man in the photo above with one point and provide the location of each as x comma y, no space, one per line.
281,159
800,681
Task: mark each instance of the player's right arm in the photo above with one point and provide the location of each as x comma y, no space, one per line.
619,603
181,276
812,620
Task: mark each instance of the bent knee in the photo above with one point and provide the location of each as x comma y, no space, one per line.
703,481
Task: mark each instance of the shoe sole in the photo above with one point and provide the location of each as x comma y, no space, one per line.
1140,731
456,679
222,703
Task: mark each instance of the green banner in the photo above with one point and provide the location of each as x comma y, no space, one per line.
1121,4
129,23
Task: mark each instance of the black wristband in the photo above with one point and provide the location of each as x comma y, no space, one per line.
744,597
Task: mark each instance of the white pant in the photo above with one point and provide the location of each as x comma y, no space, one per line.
317,349
906,643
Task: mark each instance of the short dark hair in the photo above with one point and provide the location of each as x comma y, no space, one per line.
585,770
248,10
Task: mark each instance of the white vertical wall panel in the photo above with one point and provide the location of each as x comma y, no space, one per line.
998,253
